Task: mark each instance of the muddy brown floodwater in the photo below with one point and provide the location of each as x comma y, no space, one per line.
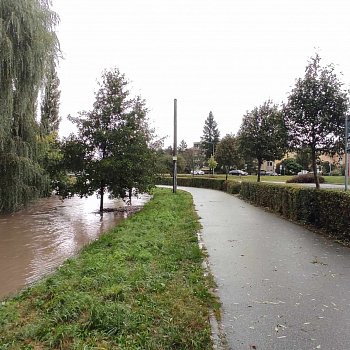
36,240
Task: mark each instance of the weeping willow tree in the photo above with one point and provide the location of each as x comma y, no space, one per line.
28,45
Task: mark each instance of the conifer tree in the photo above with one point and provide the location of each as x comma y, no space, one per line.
211,136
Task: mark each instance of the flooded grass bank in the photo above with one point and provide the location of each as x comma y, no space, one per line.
140,286
36,240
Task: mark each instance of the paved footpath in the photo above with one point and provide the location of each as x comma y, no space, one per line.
282,287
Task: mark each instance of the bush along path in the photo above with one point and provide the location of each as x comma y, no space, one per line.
140,286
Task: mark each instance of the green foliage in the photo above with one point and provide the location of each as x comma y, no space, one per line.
326,168
50,119
51,159
262,134
191,160
304,158
112,151
165,163
305,178
28,45
227,153
212,163
140,286
291,166
315,111
211,136
232,187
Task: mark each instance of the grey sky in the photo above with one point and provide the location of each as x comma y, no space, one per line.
221,56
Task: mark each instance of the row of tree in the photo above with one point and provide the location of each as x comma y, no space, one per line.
311,123
114,150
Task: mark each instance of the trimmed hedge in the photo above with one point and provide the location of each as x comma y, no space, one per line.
232,187
329,210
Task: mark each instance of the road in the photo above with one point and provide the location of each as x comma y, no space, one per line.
282,287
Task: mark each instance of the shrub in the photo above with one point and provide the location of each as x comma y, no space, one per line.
232,187
322,208
305,178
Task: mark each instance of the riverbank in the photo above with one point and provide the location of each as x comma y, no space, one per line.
140,286
37,239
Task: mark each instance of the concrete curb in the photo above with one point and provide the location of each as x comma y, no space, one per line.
218,335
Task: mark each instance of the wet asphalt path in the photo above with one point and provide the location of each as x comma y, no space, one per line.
282,287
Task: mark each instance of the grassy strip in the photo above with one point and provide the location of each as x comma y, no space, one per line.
140,286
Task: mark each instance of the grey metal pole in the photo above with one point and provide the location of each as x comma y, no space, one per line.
346,152
213,154
175,148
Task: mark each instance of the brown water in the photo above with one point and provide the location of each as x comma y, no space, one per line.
36,240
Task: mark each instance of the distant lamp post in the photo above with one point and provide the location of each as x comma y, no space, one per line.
212,163
175,148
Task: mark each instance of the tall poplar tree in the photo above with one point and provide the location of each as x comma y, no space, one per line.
51,154
28,44
50,103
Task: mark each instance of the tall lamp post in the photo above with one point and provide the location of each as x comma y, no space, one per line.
175,148
212,152
347,151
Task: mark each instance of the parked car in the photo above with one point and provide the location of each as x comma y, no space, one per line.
197,172
272,173
237,172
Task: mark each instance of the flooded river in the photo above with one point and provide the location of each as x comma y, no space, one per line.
36,240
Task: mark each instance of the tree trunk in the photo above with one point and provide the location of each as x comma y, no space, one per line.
314,167
130,195
102,191
259,169
227,172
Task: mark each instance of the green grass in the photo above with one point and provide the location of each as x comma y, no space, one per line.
338,180
140,286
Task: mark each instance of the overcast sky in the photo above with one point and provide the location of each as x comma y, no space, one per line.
224,56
